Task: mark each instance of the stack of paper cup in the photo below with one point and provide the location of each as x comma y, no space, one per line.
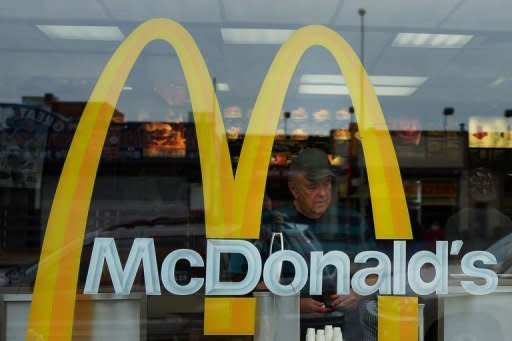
286,317
265,316
337,336
328,332
310,334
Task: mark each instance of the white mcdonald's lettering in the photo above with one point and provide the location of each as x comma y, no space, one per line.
233,203
143,249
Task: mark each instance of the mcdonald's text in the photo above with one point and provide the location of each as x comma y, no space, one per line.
392,277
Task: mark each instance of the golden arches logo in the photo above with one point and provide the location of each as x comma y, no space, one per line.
233,203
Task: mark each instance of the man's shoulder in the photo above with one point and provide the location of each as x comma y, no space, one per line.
333,215
286,213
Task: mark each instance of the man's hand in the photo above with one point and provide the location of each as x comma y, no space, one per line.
309,305
346,302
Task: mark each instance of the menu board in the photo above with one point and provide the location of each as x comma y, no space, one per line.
445,149
233,122
163,139
432,149
489,132
409,146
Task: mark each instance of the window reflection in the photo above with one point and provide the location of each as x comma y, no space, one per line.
442,81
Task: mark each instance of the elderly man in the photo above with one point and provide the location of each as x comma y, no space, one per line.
310,183
312,223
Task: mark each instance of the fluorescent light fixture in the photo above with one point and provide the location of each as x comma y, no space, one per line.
395,90
254,35
322,79
223,87
398,80
431,40
110,33
127,88
498,81
326,79
320,89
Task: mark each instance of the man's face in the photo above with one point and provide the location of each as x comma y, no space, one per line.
312,197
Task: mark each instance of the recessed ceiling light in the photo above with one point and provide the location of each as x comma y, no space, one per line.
223,87
395,90
319,89
376,80
398,80
322,79
254,35
110,33
431,40
498,81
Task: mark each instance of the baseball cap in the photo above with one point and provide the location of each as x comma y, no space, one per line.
313,162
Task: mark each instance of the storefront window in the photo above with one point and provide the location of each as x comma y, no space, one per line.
196,170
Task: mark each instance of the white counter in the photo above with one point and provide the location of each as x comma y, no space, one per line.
97,317
471,318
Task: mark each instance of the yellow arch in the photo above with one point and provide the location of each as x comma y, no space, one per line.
233,204
388,200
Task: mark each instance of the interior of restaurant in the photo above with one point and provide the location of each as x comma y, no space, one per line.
447,109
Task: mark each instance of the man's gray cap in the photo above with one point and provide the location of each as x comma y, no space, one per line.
313,163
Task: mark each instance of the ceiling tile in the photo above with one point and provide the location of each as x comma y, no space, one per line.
488,15
280,12
396,13
52,10
195,11
53,64
405,61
